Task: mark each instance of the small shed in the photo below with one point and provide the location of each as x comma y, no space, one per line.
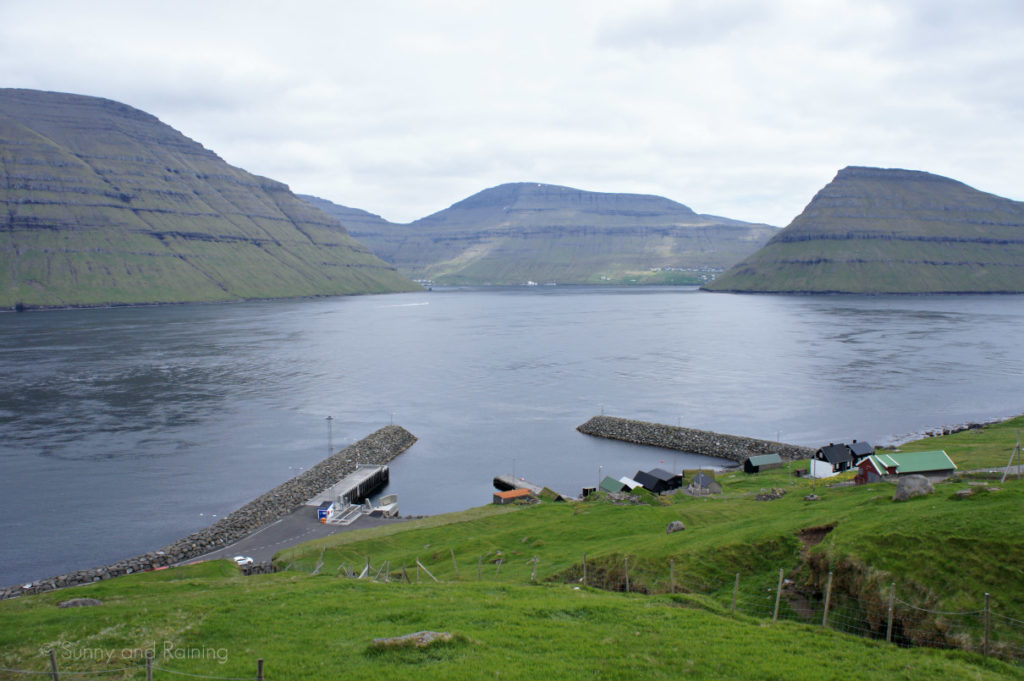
657,480
704,484
756,464
610,484
512,495
629,483
671,480
325,510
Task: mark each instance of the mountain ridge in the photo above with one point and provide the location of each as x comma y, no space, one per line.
527,231
104,204
878,230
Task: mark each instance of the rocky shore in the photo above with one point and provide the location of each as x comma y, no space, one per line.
731,447
378,448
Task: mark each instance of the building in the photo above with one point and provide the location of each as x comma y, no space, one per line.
836,458
932,464
325,510
611,485
859,450
512,495
830,460
672,481
703,484
629,483
756,464
657,480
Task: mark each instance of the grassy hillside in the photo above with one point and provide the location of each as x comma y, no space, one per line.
104,204
202,620
891,231
515,599
520,232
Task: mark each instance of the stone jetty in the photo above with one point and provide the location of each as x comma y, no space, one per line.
732,447
378,448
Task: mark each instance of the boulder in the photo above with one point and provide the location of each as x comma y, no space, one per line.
420,639
910,486
79,603
675,526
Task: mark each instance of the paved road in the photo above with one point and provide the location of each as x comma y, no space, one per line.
301,526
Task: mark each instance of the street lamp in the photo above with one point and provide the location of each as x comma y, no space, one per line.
330,435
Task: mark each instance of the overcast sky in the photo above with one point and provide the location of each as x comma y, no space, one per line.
741,108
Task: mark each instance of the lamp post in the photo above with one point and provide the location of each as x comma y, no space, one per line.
330,435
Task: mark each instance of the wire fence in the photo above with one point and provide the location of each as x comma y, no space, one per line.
882,614
878,613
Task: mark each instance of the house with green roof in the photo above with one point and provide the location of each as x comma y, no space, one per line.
879,466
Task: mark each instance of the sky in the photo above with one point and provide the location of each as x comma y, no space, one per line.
738,108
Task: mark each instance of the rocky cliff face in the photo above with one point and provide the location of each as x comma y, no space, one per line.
875,230
514,233
101,204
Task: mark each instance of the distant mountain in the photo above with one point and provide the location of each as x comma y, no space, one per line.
516,233
873,230
102,204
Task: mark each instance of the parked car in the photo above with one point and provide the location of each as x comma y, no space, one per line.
242,561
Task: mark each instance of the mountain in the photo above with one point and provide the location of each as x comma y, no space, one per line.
101,203
520,232
873,230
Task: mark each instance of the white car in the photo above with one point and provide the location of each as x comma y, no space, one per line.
242,561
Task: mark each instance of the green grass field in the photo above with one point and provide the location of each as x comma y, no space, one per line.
511,590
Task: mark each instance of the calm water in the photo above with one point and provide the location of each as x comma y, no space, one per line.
122,430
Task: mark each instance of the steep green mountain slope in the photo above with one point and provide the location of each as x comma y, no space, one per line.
514,233
101,204
874,230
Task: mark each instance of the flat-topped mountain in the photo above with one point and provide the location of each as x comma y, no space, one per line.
874,230
101,203
520,232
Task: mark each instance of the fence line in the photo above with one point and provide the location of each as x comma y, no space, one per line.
897,620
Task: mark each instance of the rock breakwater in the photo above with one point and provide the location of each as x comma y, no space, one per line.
708,443
378,448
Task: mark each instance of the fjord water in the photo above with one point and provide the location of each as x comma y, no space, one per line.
124,429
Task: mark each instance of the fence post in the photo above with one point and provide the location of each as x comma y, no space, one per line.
735,591
778,597
828,599
892,604
53,665
627,574
672,574
149,664
584,568
988,623
454,563
259,669
421,565
417,569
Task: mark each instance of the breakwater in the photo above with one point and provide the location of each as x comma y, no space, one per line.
378,448
706,442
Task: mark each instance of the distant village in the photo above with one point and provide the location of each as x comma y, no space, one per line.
828,461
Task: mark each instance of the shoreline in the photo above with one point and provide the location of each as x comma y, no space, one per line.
380,447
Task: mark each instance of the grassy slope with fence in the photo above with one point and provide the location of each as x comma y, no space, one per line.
537,591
